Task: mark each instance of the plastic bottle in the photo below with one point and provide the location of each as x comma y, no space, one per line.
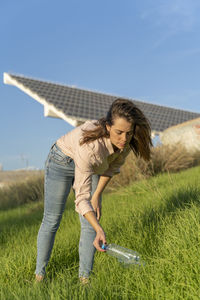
124,255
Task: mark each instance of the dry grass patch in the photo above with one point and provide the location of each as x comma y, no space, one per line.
163,159
26,186
19,193
8,178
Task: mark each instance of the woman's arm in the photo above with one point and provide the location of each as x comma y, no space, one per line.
90,216
100,236
103,181
95,201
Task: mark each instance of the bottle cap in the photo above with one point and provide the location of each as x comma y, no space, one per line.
103,247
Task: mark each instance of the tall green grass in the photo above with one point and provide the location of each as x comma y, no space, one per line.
159,217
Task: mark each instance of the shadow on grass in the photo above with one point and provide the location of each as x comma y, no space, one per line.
25,218
10,224
67,262
180,199
151,220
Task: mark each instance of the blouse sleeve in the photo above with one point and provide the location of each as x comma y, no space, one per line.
83,179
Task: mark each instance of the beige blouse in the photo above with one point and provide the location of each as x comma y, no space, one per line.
97,157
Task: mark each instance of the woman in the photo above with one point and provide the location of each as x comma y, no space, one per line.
88,157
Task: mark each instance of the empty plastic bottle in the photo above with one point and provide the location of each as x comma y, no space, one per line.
124,255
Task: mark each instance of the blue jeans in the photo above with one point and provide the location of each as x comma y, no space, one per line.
59,177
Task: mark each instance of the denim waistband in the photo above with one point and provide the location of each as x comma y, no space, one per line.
59,149
56,146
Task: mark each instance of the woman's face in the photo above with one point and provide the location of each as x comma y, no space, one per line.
120,132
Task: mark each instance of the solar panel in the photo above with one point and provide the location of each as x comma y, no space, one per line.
82,104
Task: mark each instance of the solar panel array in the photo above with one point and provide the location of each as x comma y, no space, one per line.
83,104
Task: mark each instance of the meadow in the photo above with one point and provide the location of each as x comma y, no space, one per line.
157,216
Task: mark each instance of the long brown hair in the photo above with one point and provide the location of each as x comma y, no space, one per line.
123,108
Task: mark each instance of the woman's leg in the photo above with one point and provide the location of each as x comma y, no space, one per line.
59,173
86,248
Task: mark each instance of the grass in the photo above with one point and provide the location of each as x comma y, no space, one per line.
159,217
23,186
7,178
164,158
31,189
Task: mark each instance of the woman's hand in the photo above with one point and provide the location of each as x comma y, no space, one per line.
99,240
96,204
100,234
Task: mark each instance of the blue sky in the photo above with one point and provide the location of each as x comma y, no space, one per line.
144,49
